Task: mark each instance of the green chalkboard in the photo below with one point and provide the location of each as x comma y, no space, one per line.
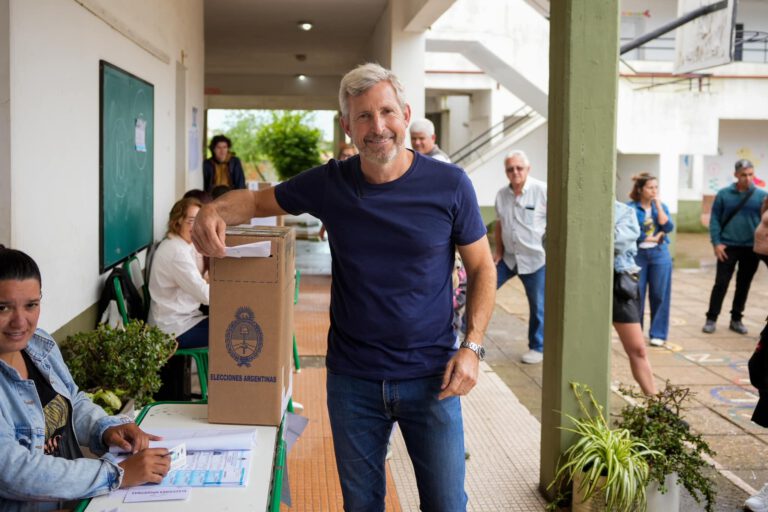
126,164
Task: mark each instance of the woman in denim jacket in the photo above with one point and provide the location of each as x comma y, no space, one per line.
44,417
626,296
653,254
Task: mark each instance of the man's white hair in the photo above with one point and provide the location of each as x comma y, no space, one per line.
424,126
362,78
518,153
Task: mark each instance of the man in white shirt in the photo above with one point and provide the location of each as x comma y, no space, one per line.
521,213
423,140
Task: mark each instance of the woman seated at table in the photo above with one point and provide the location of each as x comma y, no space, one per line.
176,287
44,417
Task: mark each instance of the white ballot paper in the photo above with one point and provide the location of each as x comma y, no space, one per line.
197,440
252,250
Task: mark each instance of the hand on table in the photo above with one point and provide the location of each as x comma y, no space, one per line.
147,466
128,437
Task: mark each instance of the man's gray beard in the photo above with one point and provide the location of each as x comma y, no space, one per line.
374,157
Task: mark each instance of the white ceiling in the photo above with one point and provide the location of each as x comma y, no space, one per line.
251,45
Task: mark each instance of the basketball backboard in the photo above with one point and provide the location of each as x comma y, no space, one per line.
706,41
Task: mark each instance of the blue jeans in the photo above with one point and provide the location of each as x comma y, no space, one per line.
195,337
656,280
534,290
362,414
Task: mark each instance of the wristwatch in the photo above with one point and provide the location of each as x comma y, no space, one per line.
479,350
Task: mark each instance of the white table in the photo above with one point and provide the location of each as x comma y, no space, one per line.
193,415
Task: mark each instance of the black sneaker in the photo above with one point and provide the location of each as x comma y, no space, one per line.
709,327
737,326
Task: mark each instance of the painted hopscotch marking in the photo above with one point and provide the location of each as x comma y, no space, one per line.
734,395
742,414
673,347
704,358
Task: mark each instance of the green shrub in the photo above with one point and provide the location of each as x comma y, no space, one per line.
290,145
655,420
126,361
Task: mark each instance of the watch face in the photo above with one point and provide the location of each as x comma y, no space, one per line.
481,353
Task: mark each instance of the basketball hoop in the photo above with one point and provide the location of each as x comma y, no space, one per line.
706,41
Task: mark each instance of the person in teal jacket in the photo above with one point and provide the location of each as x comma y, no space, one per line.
735,215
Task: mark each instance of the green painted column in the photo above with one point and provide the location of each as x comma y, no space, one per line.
583,72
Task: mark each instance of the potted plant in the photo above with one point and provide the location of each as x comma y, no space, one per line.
655,420
606,468
117,364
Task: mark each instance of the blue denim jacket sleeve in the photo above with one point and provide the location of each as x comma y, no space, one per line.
669,226
640,212
626,230
625,233
35,475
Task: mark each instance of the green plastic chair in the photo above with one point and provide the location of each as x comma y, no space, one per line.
200,356
132,267
120,299
296,363
280,463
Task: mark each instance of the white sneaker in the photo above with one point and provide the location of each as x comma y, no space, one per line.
656,342
758,502
533,357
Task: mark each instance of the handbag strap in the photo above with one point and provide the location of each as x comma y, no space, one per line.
736,210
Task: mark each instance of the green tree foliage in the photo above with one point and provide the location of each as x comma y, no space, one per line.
289,143
242,128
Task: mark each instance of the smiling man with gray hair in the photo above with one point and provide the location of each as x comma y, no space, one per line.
521,220
423,140
395,218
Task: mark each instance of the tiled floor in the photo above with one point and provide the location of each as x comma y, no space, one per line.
501,436
311,464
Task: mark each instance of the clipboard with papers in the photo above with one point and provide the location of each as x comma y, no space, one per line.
214,457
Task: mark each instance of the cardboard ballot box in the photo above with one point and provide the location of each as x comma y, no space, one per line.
251,329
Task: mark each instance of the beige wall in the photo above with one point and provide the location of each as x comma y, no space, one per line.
5,126
55,48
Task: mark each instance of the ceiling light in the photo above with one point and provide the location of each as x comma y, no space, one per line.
301,78
305,26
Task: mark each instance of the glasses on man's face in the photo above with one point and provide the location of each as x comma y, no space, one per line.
516,168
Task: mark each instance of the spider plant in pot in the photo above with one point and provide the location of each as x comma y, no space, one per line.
655,420
606,468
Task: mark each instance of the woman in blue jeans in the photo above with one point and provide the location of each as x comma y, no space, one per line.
653,254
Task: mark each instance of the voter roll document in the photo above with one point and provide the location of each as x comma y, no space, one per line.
215,458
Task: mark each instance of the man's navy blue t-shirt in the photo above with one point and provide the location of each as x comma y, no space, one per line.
393,250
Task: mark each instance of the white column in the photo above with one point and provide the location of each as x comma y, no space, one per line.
669,173
401,51
408,55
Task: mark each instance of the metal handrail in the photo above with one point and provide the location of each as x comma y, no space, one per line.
519,116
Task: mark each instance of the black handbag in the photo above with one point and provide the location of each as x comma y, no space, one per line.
626,286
